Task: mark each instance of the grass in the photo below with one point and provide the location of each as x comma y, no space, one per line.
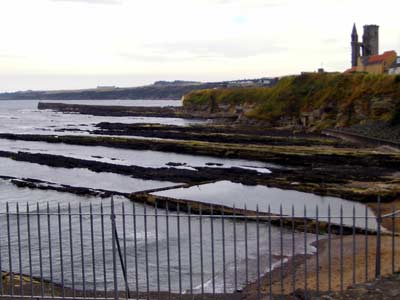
340,99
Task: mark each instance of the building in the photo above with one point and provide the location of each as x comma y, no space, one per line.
365,55
377,64
395,69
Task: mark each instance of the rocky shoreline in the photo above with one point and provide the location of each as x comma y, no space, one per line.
363,174
132,111
219,134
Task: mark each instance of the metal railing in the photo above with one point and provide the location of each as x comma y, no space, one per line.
135,251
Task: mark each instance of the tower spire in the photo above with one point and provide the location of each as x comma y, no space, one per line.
355,46
354,32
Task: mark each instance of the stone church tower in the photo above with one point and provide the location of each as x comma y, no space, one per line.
369,45
355,47
371,40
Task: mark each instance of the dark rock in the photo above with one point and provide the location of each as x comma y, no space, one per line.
174,164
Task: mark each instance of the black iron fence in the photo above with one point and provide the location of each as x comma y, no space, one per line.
134,251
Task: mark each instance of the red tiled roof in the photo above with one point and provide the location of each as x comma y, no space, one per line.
380,57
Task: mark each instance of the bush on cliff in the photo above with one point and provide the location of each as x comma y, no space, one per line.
336,99
396,117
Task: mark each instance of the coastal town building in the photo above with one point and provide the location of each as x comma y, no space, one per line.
395,69
365,55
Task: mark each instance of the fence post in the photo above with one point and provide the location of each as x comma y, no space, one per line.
114,250
378,240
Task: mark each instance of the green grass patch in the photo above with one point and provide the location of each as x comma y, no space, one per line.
349,97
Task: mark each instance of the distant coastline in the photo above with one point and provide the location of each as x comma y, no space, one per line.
160,90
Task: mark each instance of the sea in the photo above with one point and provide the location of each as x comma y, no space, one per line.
67,238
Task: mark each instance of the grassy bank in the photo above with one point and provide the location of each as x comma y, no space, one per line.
331,99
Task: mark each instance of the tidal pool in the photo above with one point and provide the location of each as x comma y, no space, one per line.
235,194
143,158
78,177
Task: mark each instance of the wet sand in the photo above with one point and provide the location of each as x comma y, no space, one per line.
353,271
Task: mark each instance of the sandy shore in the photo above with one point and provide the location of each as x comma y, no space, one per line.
350,269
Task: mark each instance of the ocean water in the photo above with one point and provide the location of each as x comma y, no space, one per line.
23,117
150,241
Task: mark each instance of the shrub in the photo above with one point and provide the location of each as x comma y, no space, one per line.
293,95
396,117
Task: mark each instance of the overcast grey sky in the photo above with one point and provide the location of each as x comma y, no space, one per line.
56,44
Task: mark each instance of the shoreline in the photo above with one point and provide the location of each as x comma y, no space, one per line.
321,284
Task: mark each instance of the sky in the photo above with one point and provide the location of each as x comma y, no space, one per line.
73,44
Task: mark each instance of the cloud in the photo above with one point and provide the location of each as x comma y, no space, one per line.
10,56
224,48
251,2
201,50
92,1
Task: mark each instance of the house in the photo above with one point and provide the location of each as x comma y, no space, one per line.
395,69
377,64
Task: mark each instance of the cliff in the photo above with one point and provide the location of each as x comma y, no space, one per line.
314,101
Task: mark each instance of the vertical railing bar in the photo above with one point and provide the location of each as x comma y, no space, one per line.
82,251
305,256
354,244
120,255
341,249
28,222
270,251
40,251
393,239
178,223
1,264
50,249
21,290
146,252
61,250
168,250
317,248
366,244
121,260
136,249
201,252
93,250
246,247
281,247
258,255
103,246
190,250
125,264
114,250
212,250
378,241
10,265
329,250
71,250
293,256
157,250
235,249
223,252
